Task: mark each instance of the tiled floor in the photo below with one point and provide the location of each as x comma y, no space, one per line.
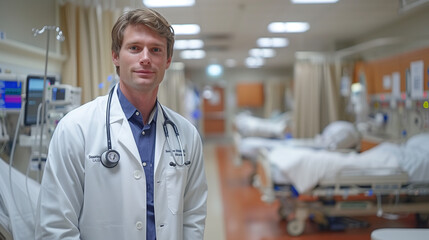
235,211
215,229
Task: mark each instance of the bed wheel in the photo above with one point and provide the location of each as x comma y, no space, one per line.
295,227
283,213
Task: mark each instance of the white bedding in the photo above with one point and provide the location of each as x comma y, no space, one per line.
10,218
249,147
338,135
274,127
304,168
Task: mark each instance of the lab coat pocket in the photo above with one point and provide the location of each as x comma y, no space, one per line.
176,183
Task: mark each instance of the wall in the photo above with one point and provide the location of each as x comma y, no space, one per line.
23,53
409,33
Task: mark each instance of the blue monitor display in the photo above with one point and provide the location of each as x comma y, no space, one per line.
10,95
34,96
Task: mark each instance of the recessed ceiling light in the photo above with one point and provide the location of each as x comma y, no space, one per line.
288,27
272,42
262,52
253,62
188,44
193,54
313,1
168,3
186,29
214,70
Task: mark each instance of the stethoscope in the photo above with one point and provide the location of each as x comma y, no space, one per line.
110,158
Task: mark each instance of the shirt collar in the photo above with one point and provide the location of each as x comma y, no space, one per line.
130,110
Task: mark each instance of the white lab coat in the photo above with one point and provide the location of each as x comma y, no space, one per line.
82,199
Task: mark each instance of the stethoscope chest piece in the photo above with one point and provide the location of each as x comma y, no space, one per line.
110,158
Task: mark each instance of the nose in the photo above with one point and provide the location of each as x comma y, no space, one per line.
144,57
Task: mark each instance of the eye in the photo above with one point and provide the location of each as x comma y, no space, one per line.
134,48
156,49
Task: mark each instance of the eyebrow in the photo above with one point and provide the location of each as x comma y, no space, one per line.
156,43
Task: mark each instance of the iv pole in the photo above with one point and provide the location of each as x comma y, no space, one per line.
60,37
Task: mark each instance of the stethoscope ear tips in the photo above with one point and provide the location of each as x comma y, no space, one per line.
174,164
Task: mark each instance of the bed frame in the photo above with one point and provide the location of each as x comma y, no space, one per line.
352,193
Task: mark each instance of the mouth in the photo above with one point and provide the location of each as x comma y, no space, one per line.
143,73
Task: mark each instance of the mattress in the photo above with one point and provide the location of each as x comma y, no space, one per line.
305,168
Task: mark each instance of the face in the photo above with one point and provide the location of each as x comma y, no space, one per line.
142,59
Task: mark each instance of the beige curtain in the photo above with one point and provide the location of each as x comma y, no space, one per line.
274,98
172,89
88,47
316,98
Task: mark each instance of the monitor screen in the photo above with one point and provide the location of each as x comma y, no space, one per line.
34,95
10,95
58,94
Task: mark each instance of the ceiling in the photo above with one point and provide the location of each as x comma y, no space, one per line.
230,28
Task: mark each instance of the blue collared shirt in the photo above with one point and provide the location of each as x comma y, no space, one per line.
144,135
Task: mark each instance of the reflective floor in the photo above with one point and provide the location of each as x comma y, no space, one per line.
235,211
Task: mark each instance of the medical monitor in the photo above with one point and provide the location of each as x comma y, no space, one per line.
10,93
62,95
58,94
34,96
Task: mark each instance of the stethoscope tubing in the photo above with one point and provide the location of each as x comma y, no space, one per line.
167,122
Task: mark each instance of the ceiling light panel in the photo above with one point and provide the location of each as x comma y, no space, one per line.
262,52
193,54
253,62
288,27
168,3
272,42
186,29
188,44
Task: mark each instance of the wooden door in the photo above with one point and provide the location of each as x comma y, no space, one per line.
214,116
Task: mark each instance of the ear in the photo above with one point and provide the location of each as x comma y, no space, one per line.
168,62
115,59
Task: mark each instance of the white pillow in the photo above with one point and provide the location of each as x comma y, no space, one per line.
340,135
419,140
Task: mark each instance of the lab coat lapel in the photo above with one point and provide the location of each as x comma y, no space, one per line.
160,137
119,125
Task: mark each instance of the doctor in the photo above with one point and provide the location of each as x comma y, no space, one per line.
112,171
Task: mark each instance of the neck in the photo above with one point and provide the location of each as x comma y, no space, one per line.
143,101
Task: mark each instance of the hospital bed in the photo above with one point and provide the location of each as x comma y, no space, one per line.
247,126
338,136
388,180
17,211
276,126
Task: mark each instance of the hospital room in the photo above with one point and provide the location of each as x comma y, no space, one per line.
251,120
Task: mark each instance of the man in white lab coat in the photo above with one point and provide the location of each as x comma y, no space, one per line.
113,172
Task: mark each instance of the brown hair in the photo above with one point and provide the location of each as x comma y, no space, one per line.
147,17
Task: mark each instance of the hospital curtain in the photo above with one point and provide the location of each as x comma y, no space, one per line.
274,98
87,46
316,98
172,90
